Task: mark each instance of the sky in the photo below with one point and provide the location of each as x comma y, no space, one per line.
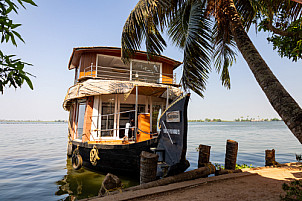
55,27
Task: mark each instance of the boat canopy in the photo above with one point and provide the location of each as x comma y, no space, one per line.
94,87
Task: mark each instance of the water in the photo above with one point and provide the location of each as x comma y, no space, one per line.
253,139
34,165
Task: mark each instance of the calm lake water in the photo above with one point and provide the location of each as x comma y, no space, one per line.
34,165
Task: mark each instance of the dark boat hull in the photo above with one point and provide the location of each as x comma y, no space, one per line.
121,159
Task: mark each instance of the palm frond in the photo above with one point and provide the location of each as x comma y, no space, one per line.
145,22
224,51
246,11
190,30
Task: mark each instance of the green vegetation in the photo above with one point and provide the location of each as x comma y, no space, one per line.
238,166
241,119
247,119
293,191
199,120
11,69
207,120
298,157
286,34
12,121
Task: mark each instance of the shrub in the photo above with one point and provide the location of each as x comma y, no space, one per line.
293,191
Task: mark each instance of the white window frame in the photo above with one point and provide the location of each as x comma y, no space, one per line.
115,133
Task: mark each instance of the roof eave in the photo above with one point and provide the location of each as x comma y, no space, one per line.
72,66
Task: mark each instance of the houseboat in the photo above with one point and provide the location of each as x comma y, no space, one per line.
118,110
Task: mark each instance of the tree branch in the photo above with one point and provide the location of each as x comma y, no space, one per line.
298,1
281,32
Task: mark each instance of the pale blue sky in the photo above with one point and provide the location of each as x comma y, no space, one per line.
53,28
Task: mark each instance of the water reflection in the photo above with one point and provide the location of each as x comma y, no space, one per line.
83,183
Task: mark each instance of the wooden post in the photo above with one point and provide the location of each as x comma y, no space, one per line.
270,157
148,167
231,154
204,155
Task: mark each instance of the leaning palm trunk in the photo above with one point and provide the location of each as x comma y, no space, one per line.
280,99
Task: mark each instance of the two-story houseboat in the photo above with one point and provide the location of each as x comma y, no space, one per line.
118,110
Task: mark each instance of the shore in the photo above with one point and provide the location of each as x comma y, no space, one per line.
264,183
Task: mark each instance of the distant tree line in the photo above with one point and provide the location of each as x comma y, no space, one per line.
241,119
4,120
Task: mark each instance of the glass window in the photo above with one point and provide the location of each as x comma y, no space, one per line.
107,123
112,68
80,118
146,72
128,113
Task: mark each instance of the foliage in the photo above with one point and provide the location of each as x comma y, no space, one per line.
298,157
238,166
12,70
202,29
212,120
289,46
218,166
283,19
196,120
192,29
293,191
242,166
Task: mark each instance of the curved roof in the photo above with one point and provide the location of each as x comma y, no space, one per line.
78,51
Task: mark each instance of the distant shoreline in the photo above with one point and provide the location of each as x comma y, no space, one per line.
244,120
33,121
208,120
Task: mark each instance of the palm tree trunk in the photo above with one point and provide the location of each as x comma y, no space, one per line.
280,99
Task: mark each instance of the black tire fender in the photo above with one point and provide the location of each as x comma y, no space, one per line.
77,161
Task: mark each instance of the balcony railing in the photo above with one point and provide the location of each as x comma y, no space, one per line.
120,73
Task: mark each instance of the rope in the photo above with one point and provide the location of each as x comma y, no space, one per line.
94,155
146,132
107,191
211,166
169,108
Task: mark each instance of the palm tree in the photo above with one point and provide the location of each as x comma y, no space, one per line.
208,31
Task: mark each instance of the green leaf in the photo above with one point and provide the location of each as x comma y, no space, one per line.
18,35
28,81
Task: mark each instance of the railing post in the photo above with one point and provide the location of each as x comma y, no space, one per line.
91,69
96,70
130,70
136,104
174,78
167,101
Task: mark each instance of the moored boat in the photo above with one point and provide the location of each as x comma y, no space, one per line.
118,110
